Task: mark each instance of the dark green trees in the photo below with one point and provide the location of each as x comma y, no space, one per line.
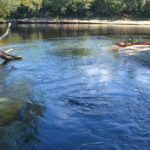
73,8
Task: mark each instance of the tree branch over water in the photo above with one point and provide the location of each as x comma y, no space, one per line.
4,54
6,33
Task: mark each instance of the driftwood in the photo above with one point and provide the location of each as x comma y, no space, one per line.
4,54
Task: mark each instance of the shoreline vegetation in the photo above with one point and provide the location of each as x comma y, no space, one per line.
118,12
75,21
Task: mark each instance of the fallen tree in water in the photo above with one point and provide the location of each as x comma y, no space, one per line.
4,54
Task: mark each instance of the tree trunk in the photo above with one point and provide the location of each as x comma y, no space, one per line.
8,57
4,54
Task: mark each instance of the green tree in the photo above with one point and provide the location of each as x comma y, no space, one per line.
3,10
78,8
67,7
34,5
57,7
27,8
8,6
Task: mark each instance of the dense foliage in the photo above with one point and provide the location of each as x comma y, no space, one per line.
73,8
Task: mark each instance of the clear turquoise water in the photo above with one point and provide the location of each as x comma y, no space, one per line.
72,92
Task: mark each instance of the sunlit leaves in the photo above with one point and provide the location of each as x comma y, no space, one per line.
3,10
32,4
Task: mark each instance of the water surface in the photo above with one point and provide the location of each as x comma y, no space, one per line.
72,92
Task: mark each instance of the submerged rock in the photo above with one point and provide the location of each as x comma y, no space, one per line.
9,110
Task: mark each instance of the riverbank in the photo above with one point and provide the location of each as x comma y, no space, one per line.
74,21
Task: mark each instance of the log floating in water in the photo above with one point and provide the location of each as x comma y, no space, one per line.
8,57
4,54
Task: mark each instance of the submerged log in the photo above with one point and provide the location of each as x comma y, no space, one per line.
4,54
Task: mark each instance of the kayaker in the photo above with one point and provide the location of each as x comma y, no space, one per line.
136,41
129,42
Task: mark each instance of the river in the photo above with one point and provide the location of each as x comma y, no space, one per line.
71,91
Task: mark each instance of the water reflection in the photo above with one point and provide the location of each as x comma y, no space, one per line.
38,31
71,91
86,29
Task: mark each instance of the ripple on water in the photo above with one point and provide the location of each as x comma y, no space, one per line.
73,93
